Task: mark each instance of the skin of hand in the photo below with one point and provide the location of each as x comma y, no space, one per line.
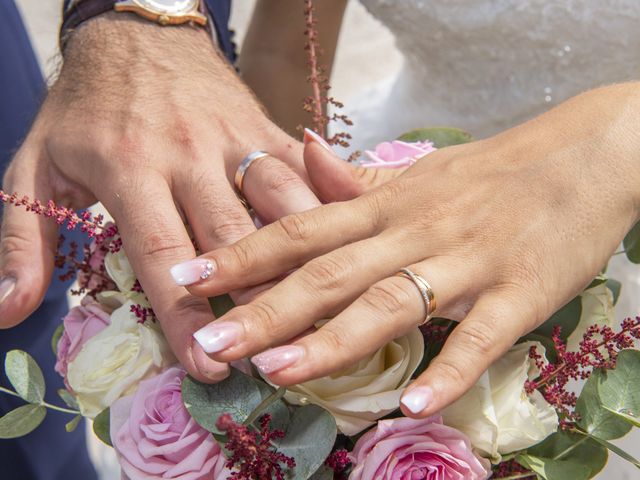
277,70
152,122
506,230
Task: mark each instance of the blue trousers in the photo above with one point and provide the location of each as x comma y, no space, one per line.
48,453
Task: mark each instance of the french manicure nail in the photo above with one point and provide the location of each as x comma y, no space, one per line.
277,359
218,336
192,271
311,136
7,285
417,399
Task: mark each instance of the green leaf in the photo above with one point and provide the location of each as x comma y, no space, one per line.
632,244
594,419
309,440
619,388
554,469
567,318
25,376
323,473
440,136
68,399
599,280
101,426
21,421
56,338
574,447
635,421
73,424
616,287
617,450
278,410
221,305
237,395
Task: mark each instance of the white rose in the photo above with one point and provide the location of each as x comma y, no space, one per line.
111,363
119,269
368,390
497,414
597,308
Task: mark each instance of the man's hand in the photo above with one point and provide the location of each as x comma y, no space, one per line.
151,122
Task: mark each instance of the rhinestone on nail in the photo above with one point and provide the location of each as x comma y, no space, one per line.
208,270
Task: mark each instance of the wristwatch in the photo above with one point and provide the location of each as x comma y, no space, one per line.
165,12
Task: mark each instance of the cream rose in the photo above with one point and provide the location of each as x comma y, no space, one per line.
111,363
368,390
496,414
597,308
120,270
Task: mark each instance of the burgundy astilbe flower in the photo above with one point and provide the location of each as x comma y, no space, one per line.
598,348
510,469
317,103
339,462
253,455
143,313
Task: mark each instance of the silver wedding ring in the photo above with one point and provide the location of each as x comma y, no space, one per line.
244,166
426,292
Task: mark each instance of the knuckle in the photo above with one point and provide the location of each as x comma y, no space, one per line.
334,341
281,179
327,273
453,372
388,297
240,257
229,229
189,305
160,244
295,228
475,337
262,317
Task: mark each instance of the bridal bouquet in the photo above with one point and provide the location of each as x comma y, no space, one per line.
521,420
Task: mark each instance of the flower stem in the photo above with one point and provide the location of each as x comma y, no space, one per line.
266,403
44,404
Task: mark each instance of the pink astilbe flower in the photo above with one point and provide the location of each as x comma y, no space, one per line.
599,348
253,455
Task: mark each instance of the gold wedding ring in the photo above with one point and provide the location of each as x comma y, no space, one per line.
426,292
244,166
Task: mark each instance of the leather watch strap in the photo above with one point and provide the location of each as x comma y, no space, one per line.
82,10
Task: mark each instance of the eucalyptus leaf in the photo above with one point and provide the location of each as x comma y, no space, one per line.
635,421
550,469
599,280
618,451
323,473
574,447
68,399
221,305
309,440
594,419
567,318
619,388
25,376
278,410
21,421
616,287
632,244
57,334
237,395
101,426
73,424
440,136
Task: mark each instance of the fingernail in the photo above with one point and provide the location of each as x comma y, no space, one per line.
311,136
218,336
192,271
7,285
277,359
417,399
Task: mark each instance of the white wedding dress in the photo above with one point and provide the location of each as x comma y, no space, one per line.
486,65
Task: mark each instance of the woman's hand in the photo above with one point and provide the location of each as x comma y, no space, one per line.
505,230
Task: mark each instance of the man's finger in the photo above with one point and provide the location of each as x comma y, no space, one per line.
154,238
27,242
490,329
336,180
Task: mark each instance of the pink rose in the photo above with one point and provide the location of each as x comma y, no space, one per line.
410,449
397,154
80,324
155,437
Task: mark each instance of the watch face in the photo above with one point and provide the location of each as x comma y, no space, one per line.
169,7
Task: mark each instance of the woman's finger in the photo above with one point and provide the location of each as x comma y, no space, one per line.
285,244
303,298
336,180
388,309
492,327
274,190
